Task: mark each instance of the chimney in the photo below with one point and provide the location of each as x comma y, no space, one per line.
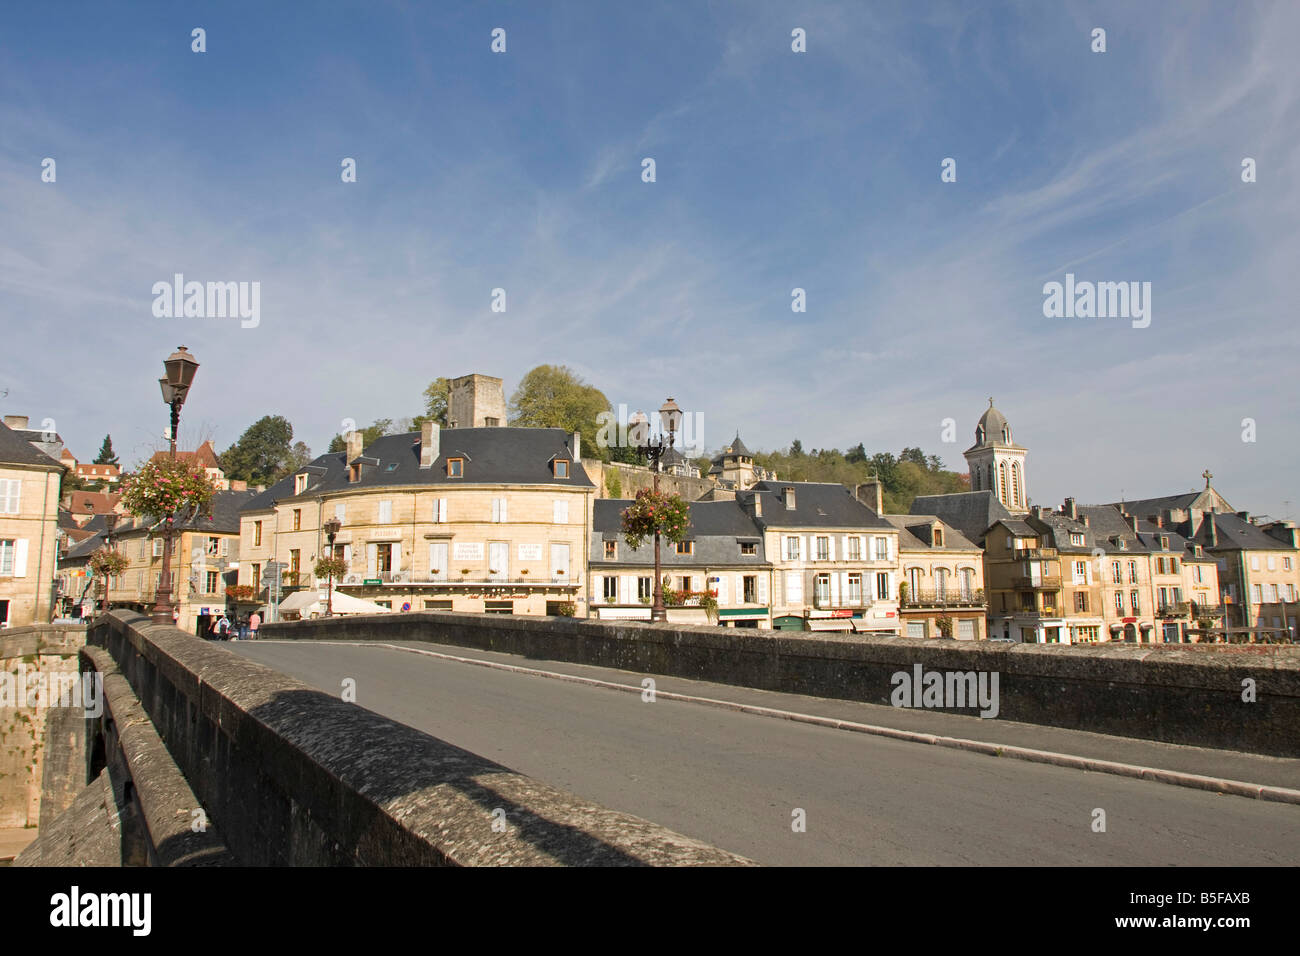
1132,522
1243,515
756,504
788,493
1159,520
353,447
430,444
16,421
1070,510
1084,519
1036,511
576,444
871,493
238,485
1214,531
260,488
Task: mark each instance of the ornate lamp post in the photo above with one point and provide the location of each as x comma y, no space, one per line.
331,527
670,418
110,522
180,368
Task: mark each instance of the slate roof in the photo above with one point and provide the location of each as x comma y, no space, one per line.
817,505
970,512
914,534
15,449
1237,534
1060,527
83,549
717,528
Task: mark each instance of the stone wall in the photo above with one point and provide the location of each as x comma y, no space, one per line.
633,478
42,748
1188,695
290,775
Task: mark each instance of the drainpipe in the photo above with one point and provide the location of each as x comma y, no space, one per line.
40,558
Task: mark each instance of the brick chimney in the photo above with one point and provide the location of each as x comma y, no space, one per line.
237,485
1070,510
872,494
352,452
788,494
430,443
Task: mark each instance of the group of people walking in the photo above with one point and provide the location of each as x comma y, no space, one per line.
223,628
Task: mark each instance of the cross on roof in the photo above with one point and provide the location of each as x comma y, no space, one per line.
1207,475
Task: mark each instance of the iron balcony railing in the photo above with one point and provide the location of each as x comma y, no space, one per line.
922,597
1035,554
1052,581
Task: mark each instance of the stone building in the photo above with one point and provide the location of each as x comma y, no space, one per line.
723,554
30,481
734,467
997,463
834,559
476,401
488,519
942,579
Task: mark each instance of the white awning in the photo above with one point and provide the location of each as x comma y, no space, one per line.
830,624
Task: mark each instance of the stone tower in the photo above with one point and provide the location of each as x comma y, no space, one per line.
476,401
997,464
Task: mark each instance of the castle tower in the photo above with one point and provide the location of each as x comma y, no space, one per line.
997,463
476,401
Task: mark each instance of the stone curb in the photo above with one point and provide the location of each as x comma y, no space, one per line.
1175,778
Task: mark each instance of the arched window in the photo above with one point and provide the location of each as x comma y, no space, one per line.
967,583
988,482
941,582
1002,479
1015,483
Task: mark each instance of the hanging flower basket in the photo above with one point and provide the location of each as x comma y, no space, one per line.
330,567
108,563
166,488
654,512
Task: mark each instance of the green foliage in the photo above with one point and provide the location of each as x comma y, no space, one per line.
905,476
106,455
652,512
371,433
326,567
264,453
166,487
106,562
566,609
553,396
613,484
436,397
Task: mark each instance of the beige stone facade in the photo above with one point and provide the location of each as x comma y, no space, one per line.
29,506
941,580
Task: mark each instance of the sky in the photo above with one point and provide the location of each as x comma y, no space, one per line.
775,170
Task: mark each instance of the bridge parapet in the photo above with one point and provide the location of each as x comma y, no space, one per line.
291,775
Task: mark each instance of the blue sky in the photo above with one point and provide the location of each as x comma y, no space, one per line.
775,170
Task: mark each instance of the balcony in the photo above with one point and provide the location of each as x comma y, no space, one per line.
1035,554
947,598
823,602
475,579
1175,609
1045,581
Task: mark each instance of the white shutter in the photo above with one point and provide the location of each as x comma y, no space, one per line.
496,509
340,510
20,558
762,589
844,548
397,556
347,555
628,583
721,585
225,547
372,560
835,590
442,509
560,512
805,547
504,514
794,587
830,543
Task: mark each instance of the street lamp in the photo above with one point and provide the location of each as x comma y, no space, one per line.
331,527
110,522
175,384
670,417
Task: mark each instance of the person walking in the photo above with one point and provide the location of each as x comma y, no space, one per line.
254,622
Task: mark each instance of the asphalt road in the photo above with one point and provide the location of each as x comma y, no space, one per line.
736,780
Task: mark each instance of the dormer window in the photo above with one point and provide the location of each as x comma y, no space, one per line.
560,467
455,467
938,537
299,484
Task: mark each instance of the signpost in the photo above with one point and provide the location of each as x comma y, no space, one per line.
271,578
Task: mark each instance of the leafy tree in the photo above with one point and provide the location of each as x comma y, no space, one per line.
436,398
796,449
380,428
553,396
299,455
106,456
262,453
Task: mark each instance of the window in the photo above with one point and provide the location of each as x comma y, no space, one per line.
882,586
855,589
1254,562
882,549
498,607
295,561
560,512
561,468
383,557
341,511
685,547
941,583
455,467
157,547
257,576
437,605
1080,601
1132,572
823,548
1272,594
10,491
611,550
1173,565
1199,572
1259,594
385,512
938,537
1290,592
257,534
1135,602
1272,563
440,510
499,510
823,590
1076,540
1081,571
748,547
644,588
299,484
1116,574
297,519
1286,564
749,589
144,548
1119,603
855,548
792,548
611,589
211,583
214,545
793,587
491,422
7,548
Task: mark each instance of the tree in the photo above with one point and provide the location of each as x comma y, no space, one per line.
106,456
796,449
436,397
299,455
553,396
371,433
262,453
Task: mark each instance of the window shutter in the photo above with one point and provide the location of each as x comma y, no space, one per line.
225,547
794,587
347,555
504,515
20,558
496,509
762,589
442,509
372,560
397,556
721,585
835,589
628,583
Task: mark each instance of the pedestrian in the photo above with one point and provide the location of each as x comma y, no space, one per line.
223,628
254,622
